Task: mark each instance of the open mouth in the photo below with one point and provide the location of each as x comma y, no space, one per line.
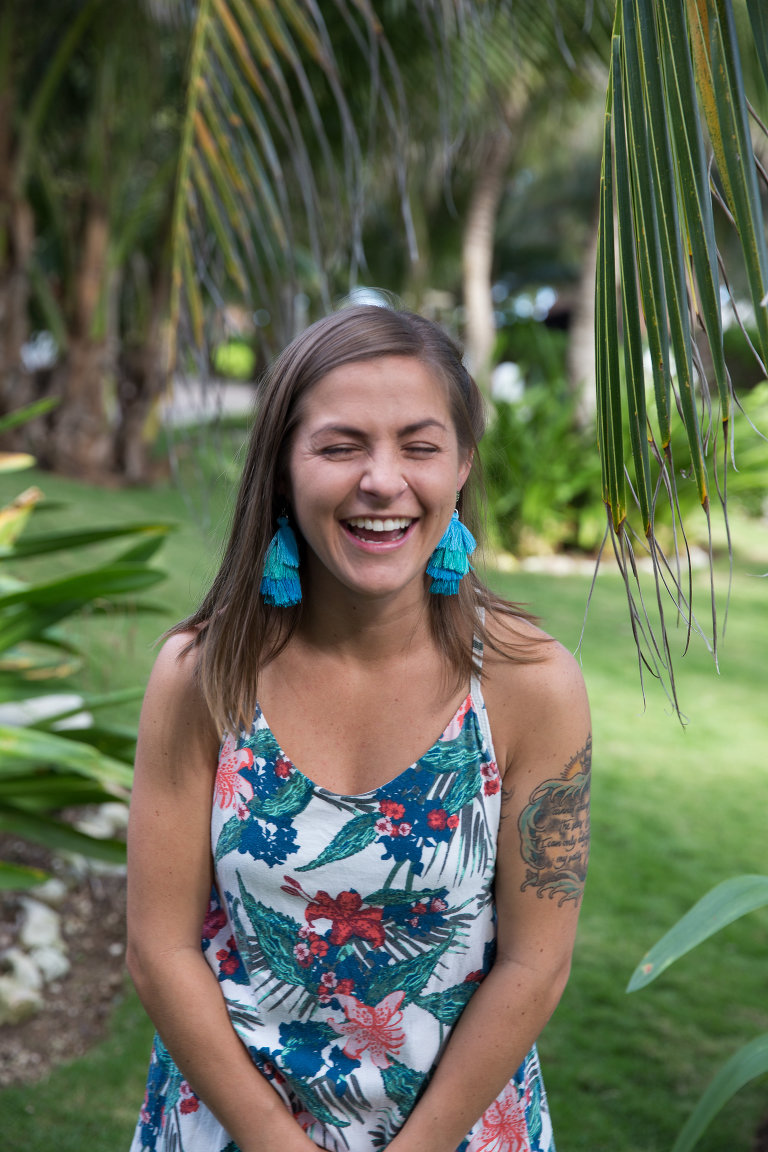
374,530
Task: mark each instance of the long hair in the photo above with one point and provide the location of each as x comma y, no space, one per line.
237,634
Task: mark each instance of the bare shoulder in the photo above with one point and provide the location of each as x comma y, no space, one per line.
535,694
174,714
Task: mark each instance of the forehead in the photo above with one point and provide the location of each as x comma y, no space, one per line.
391,388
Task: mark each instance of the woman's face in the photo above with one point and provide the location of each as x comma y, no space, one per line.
374,466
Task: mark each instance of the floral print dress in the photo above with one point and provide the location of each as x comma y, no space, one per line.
347,934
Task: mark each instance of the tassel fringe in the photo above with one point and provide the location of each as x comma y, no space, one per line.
280,584
450,560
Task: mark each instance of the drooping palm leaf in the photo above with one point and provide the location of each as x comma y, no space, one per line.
675,73
271,175
282,137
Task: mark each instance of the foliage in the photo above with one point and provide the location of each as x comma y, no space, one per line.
721,906
675,68
46,763
539,467
621,1072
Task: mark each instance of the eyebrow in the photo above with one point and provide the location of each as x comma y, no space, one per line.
408,430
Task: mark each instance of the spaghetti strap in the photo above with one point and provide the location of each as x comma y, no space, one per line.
476,691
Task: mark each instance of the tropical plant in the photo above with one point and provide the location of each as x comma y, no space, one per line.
46,764
274,184
87,151
721,906
541,479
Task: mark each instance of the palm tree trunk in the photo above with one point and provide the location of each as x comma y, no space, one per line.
81,442
477,252
16,244
581,338
142,379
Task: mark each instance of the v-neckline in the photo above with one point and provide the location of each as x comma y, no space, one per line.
465,707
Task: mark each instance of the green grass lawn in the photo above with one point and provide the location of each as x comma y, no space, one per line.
675,811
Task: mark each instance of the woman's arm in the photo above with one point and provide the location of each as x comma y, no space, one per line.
169,884
542,856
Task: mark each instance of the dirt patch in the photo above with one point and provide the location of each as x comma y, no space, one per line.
76,1008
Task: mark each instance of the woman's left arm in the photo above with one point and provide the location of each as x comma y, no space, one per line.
541,866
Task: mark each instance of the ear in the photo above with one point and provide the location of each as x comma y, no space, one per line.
465,467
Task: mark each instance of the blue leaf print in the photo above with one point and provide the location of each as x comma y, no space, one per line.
276,935
289,800
273,841
447,1006
409,975
409,896
452,755
463,789
340,1067
402,1084
229,838
303,1042
353,837
533,1111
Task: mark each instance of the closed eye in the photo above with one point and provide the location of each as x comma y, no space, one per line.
421,449
334,451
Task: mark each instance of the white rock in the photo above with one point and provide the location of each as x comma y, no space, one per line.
17,1003
95,824
22,712
117,815
52,962
41,926
52,892
21,970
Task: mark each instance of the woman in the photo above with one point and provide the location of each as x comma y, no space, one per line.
381,944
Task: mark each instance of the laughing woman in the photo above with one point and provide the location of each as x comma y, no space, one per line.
359,825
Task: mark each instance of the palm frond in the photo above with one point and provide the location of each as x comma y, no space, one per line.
667,189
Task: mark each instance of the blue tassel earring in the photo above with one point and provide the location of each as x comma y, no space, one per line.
280,581
450,560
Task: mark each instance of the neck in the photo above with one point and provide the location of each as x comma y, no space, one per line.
368,629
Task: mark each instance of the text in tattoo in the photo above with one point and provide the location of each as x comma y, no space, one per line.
554,831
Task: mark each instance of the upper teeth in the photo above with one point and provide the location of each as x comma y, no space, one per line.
380,525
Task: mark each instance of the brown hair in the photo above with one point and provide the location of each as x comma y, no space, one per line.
237,633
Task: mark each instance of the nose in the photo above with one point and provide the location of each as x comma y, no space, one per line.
382,479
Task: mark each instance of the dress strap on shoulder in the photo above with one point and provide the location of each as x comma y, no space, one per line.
476,688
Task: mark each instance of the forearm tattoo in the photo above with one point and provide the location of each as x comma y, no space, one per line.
554,832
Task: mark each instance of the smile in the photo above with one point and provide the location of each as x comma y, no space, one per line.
376,530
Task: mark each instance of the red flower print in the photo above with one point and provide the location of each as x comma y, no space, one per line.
404,829
189,1101
491,778
371,1029
215,919
419,909
318,946
344,987
228,959
282,768
437,905
385,827
392,809
475,977
348,916
502,1127
230,785
437,818
452,821
303,955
